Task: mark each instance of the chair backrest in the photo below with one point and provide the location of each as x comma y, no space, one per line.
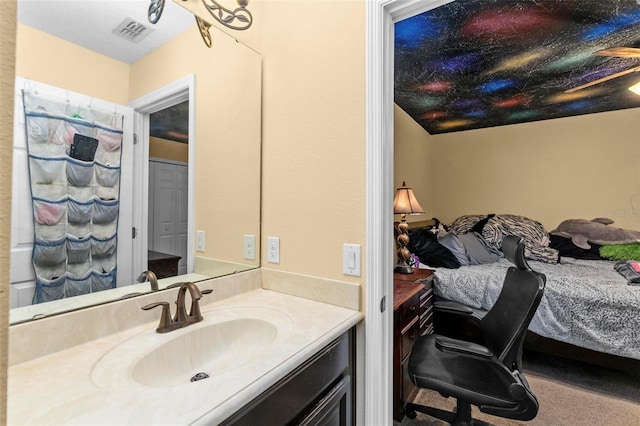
505,325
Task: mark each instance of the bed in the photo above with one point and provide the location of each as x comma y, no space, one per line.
588,312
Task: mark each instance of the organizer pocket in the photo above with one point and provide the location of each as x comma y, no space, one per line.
103,280
77,286
107,175
50,253
105,211
37,128
48,290
47,212
78,249
109,141
63,133
79,212
103,247
47,170
79,173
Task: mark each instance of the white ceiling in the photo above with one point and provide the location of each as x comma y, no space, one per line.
89,23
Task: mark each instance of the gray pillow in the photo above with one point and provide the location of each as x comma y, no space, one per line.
455,246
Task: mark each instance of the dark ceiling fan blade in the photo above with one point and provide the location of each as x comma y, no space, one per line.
619,52
603,79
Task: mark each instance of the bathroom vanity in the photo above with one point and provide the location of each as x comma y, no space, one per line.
262,351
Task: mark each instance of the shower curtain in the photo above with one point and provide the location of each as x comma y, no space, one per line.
74,156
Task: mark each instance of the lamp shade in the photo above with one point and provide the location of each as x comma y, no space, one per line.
405,202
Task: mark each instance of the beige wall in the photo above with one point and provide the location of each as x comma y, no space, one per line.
313,132
51,60
228,107
8,10
412,159
168,150
579,167
313,163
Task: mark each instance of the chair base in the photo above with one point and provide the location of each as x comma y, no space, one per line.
461,417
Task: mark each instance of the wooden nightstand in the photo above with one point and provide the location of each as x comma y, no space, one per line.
412,317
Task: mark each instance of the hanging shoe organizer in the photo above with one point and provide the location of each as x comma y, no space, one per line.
74,168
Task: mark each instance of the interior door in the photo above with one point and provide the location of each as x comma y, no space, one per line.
164,208
182,216
168,210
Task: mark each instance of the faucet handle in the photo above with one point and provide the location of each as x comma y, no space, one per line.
165,317
194,312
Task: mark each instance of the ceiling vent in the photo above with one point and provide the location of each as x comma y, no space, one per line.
132,30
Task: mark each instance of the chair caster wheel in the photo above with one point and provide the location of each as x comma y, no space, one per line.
410,414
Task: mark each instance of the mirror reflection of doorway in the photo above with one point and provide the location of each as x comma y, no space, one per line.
168,190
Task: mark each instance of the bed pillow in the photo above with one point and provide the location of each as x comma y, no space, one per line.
424,244
455,246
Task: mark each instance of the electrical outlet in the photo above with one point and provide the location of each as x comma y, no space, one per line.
273,249
200,240
250,247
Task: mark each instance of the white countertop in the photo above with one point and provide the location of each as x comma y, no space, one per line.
58,388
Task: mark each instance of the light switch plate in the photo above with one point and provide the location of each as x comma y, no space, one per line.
351,259
273,249
200,240
250,247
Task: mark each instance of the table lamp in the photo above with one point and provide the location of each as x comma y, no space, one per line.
404,203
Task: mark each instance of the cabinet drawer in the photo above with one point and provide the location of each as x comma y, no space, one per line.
426,321
409,310
426,299
409,335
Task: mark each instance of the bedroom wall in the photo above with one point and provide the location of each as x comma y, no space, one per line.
577,167
412,156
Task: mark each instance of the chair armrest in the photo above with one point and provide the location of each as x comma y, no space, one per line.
461,347
451,307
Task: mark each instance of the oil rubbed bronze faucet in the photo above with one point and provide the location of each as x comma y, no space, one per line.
151,276
181,318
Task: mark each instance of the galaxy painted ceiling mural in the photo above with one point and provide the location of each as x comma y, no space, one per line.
480,63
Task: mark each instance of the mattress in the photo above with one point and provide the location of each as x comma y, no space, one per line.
586,303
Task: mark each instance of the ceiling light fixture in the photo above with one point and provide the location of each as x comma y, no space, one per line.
635,88
237,19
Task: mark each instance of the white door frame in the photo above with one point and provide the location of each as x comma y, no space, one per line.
164,97
380,17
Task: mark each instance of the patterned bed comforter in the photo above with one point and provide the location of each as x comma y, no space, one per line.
585,303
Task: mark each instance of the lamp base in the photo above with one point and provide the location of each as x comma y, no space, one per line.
403,269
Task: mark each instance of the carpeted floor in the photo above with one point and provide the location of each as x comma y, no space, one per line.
569,393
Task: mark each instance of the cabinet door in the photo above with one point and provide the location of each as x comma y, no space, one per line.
334,409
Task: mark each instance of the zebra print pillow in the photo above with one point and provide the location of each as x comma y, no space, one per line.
536,239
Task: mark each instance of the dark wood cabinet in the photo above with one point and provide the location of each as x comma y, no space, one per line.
412,317
162,264
319,392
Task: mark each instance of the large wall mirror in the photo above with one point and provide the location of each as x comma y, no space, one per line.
191,117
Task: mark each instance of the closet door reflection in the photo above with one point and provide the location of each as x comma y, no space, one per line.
168,209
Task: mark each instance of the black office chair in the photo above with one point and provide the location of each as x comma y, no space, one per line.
488,376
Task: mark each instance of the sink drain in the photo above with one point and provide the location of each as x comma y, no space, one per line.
199,376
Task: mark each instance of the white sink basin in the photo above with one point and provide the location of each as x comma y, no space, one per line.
226,339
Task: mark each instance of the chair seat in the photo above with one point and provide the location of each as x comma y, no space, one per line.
481,380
